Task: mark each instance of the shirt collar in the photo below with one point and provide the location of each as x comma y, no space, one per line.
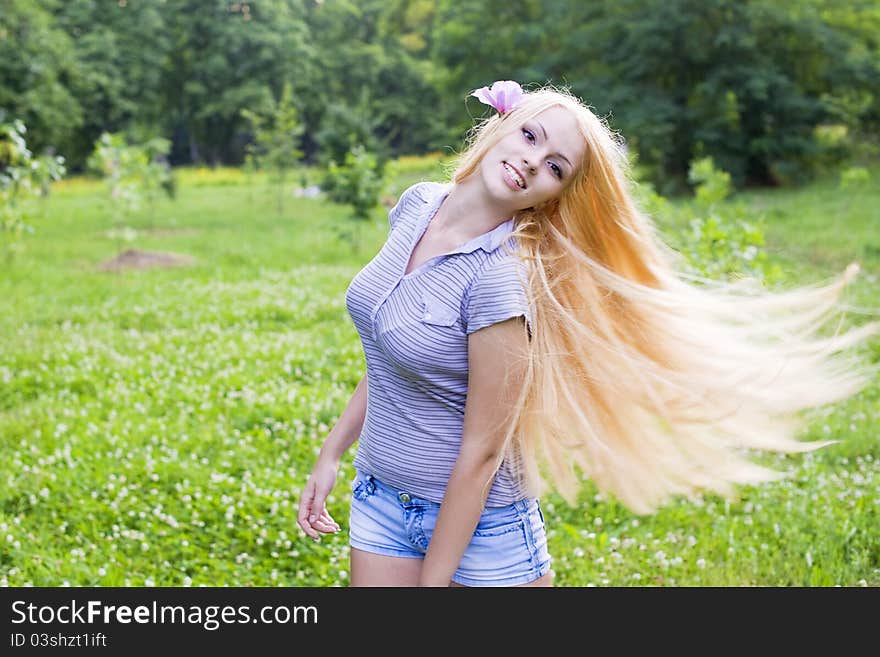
487,241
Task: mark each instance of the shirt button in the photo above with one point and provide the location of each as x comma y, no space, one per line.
404,497
427,315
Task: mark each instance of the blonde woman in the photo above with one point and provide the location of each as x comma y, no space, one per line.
525,328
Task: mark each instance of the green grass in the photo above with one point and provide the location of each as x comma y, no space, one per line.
157,426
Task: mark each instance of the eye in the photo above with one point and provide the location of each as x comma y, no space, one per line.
556,170
529,135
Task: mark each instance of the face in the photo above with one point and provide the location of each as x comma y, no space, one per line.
536,161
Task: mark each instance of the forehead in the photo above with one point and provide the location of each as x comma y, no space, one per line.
562,130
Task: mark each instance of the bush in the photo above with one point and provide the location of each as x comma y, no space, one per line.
20,175
357,182
722,241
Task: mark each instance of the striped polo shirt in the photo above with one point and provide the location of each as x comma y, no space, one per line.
414,329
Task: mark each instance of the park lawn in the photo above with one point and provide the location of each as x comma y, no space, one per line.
157,426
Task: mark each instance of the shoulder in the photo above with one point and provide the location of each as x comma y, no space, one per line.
426,190
414,198
498,291
421,192
501,266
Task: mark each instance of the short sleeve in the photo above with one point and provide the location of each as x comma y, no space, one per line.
498,293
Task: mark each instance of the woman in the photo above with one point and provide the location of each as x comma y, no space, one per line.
524,327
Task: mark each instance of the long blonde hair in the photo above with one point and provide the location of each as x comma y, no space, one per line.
651,382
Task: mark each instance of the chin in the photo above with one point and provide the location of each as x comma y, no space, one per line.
494,185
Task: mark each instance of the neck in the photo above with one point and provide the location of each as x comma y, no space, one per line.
468,212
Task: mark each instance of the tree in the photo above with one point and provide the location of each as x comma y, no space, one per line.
21,175
227,57
356,182
37,64
740,82
366,86
116,74
131,171
276,136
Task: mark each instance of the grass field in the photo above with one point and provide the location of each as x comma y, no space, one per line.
156,426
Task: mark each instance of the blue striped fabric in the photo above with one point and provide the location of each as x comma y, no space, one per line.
414,329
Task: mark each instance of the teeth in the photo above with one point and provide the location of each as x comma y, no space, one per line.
513,174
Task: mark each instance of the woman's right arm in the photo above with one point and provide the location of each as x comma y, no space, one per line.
348,427
313,515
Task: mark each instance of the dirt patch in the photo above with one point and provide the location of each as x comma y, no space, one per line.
134,259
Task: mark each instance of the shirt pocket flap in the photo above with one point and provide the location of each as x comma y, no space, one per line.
435,311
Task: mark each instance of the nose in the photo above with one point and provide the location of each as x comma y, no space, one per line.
528,167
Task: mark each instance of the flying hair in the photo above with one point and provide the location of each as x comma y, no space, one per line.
651,382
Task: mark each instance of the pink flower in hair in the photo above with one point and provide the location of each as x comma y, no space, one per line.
504,95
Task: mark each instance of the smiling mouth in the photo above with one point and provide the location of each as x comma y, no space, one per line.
515,175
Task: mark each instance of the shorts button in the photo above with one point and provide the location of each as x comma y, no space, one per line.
404,497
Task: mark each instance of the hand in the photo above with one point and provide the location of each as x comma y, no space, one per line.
313,515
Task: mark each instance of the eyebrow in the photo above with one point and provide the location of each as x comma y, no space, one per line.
557,153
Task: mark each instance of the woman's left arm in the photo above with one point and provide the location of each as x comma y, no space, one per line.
496,365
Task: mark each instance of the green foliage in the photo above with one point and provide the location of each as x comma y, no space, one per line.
366,86
723,240
713,185
854,178
226,57
743,82
405,171
357,182
345,127
45,169
276,136
773,92
132,172
37,72
21,175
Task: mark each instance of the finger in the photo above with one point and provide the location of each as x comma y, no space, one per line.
328,519
305,507
323,527
306,502
307,528
317,507
325,523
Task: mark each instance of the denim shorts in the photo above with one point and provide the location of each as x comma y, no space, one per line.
509,545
